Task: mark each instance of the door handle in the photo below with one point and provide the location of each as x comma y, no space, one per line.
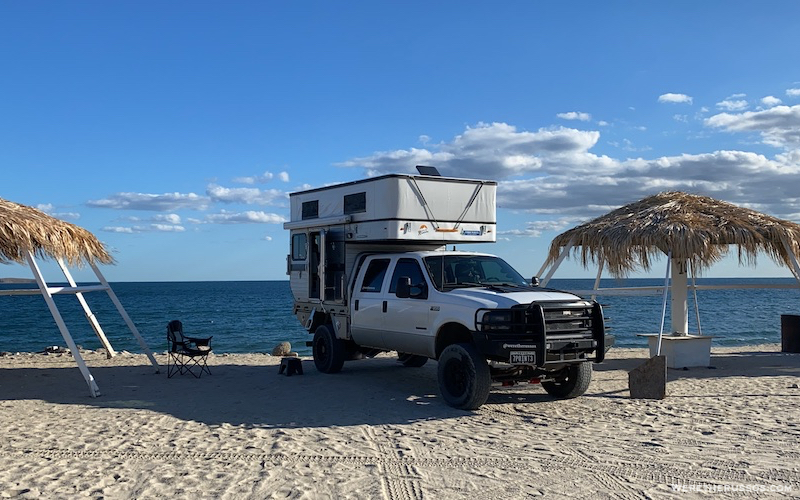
355,305
385,304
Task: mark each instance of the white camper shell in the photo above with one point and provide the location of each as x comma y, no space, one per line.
401,208
331,225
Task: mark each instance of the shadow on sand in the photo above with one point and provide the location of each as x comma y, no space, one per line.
374,391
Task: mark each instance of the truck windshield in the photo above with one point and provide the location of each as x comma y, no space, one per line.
461,271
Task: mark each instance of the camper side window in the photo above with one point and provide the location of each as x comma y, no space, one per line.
373,277
299,247
310,209
355,203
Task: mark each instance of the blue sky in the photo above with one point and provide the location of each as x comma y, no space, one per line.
174,130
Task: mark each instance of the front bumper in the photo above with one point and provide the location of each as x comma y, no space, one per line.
545,333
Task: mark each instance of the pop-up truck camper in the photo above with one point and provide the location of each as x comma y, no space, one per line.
370,272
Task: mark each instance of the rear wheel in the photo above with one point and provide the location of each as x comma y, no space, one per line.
329,352
464,378
411,360
573,383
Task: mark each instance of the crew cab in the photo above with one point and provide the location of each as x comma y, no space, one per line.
473,313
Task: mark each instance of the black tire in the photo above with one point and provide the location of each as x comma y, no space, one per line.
464,378
411,360
576,382
329,352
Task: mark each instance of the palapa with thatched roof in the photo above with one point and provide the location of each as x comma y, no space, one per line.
27,234
693,228
693,231
24,229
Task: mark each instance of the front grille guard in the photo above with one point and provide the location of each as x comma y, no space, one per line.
563,324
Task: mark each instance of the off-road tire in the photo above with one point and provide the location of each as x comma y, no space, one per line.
464,378
411,360
576,382
329,352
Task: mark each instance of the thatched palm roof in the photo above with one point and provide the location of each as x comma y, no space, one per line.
24,229
697,229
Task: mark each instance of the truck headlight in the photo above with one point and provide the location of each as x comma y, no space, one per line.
496,321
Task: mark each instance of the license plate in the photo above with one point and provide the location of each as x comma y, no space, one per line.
522,358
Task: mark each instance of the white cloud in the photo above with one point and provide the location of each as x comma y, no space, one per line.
155,202
575,115
250,196
770,101
675,98
555,174
536,228
733,104
49,209
267,238
779,126
602,123
793,92
255,179
496,148
735,176
681,118
248,217
168,218
152,228
263,178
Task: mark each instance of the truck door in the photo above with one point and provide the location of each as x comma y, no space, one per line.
368,304
407,322
314,259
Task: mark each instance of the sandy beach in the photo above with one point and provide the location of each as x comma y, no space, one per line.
378,430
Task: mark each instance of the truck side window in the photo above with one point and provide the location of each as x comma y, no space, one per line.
373,277
299,247
408,268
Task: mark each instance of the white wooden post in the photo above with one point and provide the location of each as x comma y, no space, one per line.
125,316
795,267
110,353
597,279
94,391
561,257
680,306
663,305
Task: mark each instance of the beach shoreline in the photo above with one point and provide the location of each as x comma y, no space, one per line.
378,430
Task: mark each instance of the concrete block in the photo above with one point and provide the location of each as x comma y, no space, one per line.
649,380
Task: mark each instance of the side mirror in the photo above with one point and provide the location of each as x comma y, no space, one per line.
535,281
403,287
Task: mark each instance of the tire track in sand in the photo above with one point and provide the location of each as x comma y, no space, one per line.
399,479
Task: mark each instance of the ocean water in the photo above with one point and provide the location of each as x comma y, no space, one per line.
253,316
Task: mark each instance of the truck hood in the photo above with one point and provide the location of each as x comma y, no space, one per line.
496,299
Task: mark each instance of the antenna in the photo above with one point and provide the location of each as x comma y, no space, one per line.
424,170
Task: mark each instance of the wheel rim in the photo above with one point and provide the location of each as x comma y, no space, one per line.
321,351
455,377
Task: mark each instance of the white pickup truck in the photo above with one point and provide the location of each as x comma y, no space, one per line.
473,313
370,272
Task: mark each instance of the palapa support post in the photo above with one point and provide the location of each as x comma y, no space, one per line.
94,391
125,316
110,352
681,349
